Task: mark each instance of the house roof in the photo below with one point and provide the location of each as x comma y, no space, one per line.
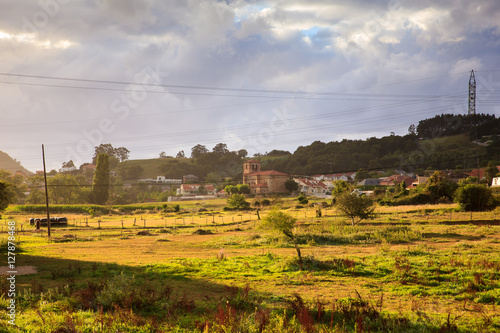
312,183
268,173
369,181
88,166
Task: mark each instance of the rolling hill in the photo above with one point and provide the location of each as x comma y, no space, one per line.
11,165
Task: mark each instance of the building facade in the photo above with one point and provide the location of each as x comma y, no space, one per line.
262,182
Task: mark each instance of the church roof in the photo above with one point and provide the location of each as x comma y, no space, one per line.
268,173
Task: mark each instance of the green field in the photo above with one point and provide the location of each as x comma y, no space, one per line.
411,269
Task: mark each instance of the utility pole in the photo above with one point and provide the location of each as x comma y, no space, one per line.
46,192
472,113
472,94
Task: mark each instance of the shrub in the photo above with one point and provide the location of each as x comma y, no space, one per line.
474,197
302,199
238,201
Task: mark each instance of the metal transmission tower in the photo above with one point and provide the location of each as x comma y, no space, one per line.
472,94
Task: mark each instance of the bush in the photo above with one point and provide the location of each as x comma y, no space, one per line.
474,197
238,201
416,199
302,199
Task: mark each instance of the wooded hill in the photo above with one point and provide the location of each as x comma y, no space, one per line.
443,142
11,165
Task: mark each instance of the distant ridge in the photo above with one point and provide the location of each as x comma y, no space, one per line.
11,165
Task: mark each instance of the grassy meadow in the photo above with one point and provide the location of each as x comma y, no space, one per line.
411,269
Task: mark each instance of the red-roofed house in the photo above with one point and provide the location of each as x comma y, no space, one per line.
192,189
396,179
311,186
263,181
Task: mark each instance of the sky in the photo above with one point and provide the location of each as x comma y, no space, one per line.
163,76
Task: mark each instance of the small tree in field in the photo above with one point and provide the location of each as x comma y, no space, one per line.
355,206
238,201
283,223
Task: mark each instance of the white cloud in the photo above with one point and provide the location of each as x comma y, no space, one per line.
295,45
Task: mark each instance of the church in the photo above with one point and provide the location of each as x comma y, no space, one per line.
263,182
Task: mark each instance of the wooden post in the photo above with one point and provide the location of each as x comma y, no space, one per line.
46,192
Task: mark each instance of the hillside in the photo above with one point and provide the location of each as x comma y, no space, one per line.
392,152
11,165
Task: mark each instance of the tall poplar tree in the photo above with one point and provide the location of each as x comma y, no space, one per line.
100,184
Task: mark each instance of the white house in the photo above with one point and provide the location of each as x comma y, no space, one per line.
171,181
192,189
495,182
311,186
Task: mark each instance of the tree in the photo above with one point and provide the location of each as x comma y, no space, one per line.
220,149
231,189
361,174
238,201
67,189
100,184
198,150
180,154
68,164
440,186
291,185
475,197
355,206
7,196
163,155
339,187
242,153
490,173
243,188
121,153
285,224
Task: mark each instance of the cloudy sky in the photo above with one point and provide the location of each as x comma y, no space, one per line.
162,76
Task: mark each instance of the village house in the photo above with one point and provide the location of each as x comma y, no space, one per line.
395,180
420,180
262,182
311,186
347,176
369,182
194,189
